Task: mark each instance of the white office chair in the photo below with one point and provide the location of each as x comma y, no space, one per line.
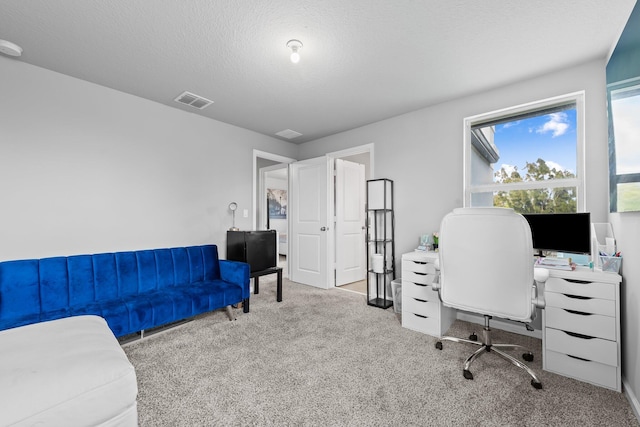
486,267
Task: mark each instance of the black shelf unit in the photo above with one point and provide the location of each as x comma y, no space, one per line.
380,242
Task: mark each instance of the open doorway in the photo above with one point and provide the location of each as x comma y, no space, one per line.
362,155
270,200
274,184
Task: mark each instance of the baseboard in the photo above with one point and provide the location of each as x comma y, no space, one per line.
631,397
516,328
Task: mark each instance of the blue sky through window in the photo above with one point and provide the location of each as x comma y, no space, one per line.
551,137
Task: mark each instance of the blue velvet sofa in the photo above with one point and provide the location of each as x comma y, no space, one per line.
132,291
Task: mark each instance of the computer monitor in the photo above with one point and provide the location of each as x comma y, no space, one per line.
561,232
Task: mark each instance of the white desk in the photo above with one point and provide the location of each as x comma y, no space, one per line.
421,307
580,324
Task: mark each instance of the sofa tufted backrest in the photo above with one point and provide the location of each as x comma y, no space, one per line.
31,287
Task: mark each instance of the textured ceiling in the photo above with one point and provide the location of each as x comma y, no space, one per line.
362,60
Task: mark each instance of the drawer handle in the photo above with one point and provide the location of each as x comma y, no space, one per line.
420,284
420,300
579,358
582,282
581,313
576,296
577,335
419,262
419,274
420,315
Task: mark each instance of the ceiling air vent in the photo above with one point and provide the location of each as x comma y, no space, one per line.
289,134
192,100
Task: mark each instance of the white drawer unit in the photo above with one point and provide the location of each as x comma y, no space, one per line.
581,326
422,310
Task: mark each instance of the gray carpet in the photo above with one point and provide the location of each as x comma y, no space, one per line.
326,358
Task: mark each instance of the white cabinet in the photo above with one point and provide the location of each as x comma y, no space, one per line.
422,310
581,326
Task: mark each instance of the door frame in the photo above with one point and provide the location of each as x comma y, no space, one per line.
361,149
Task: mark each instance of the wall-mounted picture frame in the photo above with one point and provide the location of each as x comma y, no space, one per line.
277,203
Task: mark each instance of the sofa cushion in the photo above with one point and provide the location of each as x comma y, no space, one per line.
54,288
19,282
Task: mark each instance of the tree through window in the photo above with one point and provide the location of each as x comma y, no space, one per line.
528,157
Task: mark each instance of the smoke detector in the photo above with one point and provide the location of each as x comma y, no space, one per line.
9,48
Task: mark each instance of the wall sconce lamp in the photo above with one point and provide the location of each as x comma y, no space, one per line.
295,46
232,207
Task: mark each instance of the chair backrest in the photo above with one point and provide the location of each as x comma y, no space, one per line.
486,263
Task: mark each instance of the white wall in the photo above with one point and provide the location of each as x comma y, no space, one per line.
87,169
422,151
626,228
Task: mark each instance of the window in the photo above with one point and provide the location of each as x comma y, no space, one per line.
529,157
624,156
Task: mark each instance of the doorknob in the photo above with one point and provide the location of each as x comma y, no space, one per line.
324,228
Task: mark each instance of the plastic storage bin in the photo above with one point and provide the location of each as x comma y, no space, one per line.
396,295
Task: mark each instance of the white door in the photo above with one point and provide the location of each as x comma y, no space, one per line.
309,223
350,222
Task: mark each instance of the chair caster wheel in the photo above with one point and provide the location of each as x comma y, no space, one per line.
528,357
439,345
467,374
536,384
473,337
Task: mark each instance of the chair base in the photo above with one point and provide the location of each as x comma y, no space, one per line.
486,346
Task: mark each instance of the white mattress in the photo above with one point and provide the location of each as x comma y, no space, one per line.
65,372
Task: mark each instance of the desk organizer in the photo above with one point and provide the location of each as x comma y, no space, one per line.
602,242
610,263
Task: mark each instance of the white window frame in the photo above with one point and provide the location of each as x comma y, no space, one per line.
616,178
578,181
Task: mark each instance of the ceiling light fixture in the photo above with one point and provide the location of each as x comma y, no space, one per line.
295,46
9,48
